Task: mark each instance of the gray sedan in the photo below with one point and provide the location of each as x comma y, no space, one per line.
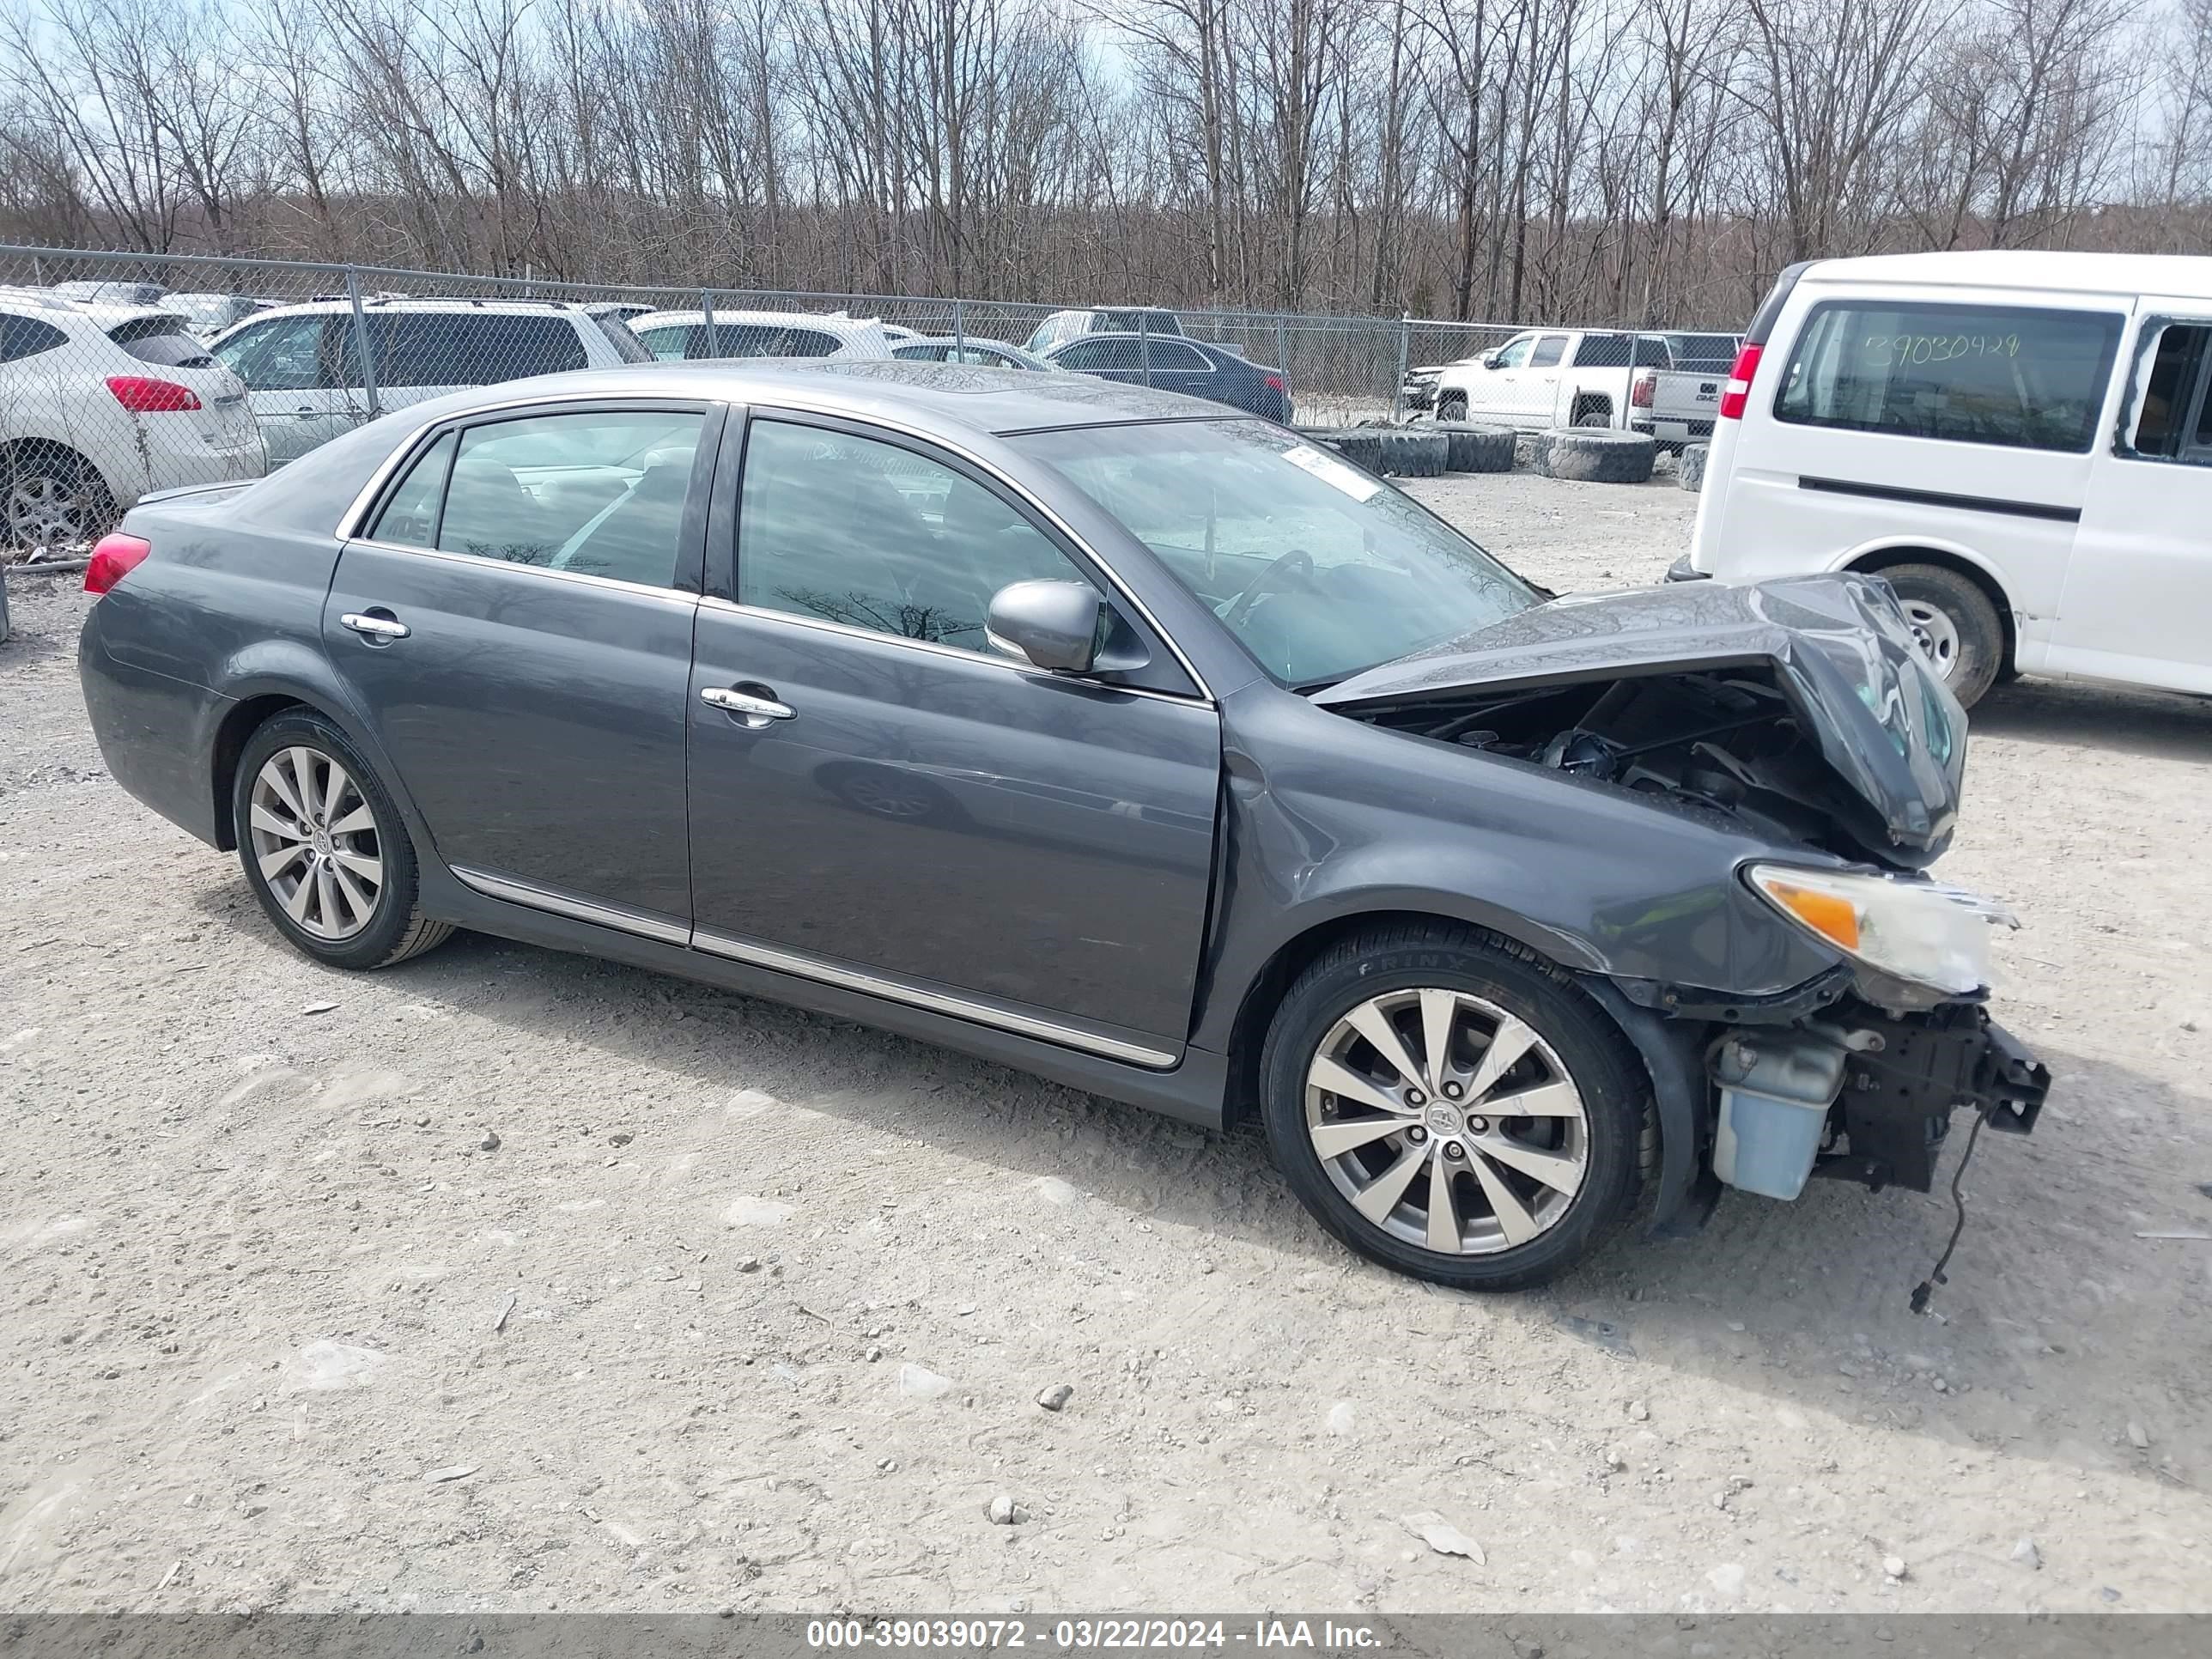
1105,734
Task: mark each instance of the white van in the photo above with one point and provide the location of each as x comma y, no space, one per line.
2020,442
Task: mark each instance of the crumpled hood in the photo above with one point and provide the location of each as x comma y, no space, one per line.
1838,646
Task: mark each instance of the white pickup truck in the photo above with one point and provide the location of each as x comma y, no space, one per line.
1581,377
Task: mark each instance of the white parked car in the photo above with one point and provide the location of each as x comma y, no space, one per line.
674,335
302,368
99,404
2020,442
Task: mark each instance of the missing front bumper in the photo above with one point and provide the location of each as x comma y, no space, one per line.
1894,1110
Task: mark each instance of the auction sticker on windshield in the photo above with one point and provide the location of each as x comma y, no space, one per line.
1330,471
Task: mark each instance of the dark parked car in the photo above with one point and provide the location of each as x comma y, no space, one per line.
977,354
1194,366
1104,734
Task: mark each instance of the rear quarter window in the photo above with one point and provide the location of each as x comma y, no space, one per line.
27,336
2021,377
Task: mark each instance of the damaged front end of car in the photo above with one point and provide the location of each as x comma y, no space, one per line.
1803,711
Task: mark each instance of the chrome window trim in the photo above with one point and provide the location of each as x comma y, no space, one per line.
1025,669
802,966
1013,486
653,590
545,898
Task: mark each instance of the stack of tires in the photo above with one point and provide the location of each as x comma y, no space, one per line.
1476,449
1595,454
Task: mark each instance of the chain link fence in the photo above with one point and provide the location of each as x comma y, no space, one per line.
122,373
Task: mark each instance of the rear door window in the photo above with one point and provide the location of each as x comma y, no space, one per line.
1181,358
1549,350
460,348
598,493
2025,378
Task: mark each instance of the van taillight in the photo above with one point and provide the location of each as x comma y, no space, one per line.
143,395
114,557
1737,392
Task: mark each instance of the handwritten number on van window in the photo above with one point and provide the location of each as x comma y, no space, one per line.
1895,350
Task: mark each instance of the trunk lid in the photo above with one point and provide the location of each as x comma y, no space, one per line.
1837,648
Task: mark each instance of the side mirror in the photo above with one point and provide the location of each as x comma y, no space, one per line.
1064,627
1490,360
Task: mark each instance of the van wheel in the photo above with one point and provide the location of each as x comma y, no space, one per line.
324,849
1956,624
1453,1107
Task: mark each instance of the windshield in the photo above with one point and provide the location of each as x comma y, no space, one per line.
1319,569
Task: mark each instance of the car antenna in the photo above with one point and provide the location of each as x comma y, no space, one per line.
1925,1291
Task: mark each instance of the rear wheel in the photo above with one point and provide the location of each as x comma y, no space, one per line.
1955,624
324,848
52,496
1453,1109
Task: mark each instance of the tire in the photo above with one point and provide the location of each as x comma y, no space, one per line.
394,928
1452,406
1413,454
1599,1144
1690,470
1586,456
52,496
1362,447
1956,623
1477,448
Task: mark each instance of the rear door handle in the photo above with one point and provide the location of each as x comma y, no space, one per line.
752,709
375,626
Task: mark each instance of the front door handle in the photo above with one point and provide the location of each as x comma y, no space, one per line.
752,709
377,627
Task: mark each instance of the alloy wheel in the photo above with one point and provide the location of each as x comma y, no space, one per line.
315,843
1937,634
1447,1121
43,508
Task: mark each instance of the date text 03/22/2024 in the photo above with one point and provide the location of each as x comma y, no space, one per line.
1324,1635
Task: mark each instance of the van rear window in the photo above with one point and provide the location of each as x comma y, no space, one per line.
2026,378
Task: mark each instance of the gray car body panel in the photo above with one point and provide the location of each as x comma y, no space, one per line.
1314,818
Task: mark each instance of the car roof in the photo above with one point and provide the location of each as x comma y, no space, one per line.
376,304
2183,275
948,396
849,328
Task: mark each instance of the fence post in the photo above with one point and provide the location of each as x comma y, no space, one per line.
960,329
360,344
1145,344
706,311
1398,384
1283,345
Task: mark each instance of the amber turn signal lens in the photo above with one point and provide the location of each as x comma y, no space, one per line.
1833,918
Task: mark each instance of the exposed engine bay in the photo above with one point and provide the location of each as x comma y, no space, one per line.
1728,739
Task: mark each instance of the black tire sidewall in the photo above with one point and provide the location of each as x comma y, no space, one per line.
395,914
1446,405
1973,619
1576,1030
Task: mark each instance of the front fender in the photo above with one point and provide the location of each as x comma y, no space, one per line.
1328,818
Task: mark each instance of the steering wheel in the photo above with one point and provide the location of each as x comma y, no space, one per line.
1296,559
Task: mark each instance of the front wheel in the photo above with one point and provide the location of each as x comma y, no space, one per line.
1452,406
1453,1107
324,849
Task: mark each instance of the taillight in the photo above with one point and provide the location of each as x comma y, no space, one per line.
1639,394
1737,392
1275,383
142,396
114,557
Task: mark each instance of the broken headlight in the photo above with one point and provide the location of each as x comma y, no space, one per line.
1919,931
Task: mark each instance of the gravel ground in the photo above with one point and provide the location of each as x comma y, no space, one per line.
510,1279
